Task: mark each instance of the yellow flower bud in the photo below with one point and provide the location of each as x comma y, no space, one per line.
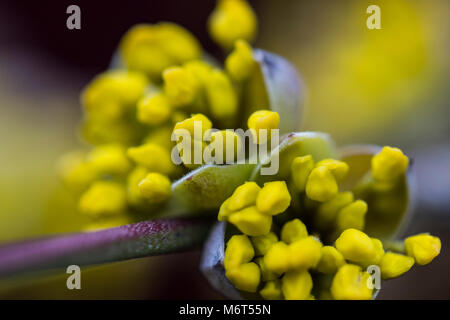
423,248
239,251
155,187
321,184
330,261
304,253
393,265
75,172
338,168
244,196
277,257
328,210
112,93
109,159
134,196
221,95
352,216
358,247
226,146
301,167
200,69
251,221
192,124
240,63
152,156
245,277
293,230
389,164
180,86
274,198
272,290
160,136
153,109
378,253
153,48
232,20
296,285
350,283
223,211
103,198
263,120
263,243
266,274
192,158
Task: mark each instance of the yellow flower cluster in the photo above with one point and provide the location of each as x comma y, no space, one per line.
284,259
160,80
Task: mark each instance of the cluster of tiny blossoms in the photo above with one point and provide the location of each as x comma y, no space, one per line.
160,79
280,257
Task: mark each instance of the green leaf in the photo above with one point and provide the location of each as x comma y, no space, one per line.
274,85
292,145
203,190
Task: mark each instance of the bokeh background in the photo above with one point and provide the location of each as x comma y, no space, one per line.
388,86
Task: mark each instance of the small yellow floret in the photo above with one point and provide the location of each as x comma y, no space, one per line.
239,250
296,285
154,109
196,126
225,146
152,156
153,48
261,123
232,20
358,247
266,274
301,167
277,257
389,164
111,94
245,277
338,168
328,210
155,187
109,159
330,261
321,184
304,253
223,211
134,196
272,290
75,172
350,283
293,230
274,198
180,86
393,265
244,196
221,95
240,63
263,243
352,216
251,221
103,198
423,248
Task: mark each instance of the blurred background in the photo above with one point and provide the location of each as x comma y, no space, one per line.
387,86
